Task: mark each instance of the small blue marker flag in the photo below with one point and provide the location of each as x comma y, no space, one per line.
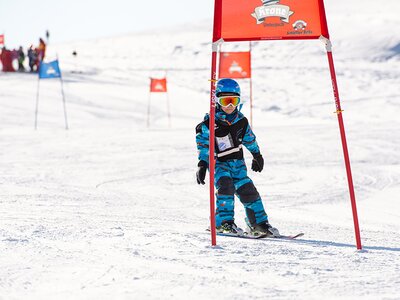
49,70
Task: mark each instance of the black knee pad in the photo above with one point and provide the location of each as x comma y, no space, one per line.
225,186
248,193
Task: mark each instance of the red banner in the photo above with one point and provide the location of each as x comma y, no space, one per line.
239,20
1,39
235,65
158,85
6,58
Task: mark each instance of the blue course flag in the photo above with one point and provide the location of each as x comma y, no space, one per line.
49,70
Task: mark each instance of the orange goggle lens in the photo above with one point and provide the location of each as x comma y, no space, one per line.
225,101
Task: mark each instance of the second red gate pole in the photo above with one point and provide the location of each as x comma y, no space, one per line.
344,142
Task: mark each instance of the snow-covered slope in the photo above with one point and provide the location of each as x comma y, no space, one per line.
110,209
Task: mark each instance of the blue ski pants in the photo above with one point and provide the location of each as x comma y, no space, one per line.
230,179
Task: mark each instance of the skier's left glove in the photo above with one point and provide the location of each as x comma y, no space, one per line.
201,172
257,164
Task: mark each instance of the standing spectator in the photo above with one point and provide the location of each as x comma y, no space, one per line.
41,50
14,55
32,55
21,59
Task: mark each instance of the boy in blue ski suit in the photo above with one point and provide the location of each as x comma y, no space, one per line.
232,131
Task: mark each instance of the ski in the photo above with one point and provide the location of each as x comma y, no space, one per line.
246,235
243,236
286,237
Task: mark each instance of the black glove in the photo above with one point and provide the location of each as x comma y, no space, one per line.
258,162
201,172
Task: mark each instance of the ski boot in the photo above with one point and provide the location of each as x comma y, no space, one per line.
263,229
229,227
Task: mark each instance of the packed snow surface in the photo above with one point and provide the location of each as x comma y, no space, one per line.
110,208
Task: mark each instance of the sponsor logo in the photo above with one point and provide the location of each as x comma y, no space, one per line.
299,28
299,25
51,71
272,8
235,67
159,87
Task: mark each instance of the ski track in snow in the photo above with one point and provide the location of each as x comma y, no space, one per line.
94,221
110,209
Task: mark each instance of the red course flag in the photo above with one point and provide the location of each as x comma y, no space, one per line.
1,39
270,20
158,85
235,65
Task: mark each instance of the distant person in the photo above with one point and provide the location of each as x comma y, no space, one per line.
41,50
32,56
14,54
21,59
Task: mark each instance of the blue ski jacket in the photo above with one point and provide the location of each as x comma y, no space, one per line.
231,132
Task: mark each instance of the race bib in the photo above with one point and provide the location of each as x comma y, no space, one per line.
224,142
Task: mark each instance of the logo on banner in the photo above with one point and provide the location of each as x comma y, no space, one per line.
235,67
271,8
159,87
299,25
51,71
299,28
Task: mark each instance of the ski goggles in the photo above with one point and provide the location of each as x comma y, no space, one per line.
226,100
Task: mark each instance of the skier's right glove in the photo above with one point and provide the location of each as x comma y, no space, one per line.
201,172
258,162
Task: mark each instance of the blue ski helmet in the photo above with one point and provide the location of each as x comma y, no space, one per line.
228,86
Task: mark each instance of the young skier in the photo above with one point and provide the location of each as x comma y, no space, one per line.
232,130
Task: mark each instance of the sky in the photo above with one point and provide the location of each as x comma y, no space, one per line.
24,21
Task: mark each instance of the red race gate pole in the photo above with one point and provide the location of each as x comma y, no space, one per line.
215,48
251,89
211,158
344,142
